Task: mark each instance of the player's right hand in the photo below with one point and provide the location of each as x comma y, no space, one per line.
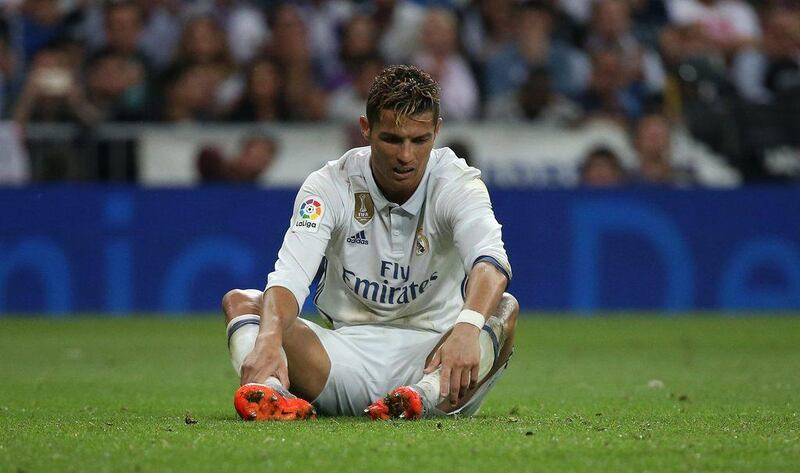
264,361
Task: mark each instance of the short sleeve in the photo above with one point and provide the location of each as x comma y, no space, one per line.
477,235
314,215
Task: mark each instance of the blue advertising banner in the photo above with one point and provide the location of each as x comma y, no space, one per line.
123,250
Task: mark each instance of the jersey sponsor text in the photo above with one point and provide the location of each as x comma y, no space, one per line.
383,291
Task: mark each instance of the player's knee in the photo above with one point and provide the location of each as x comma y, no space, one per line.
510,307
509,299
238,302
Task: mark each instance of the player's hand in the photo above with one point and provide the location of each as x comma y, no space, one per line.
264,361
459,357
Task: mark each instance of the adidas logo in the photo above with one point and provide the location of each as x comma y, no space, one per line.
360,238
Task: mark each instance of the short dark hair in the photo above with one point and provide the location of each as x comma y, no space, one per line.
406,90
601,153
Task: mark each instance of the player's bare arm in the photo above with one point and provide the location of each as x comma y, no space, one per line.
278,312
459,355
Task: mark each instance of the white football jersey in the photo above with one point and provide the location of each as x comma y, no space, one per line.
385,263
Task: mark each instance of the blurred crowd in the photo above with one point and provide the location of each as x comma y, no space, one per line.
726,70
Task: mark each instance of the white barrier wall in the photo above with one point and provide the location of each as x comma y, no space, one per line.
14,164
508,155
167,155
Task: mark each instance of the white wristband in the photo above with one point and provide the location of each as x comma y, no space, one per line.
471,317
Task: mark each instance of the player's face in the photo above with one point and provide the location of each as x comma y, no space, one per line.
400,151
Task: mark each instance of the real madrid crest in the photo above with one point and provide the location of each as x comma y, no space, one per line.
421,244
364,208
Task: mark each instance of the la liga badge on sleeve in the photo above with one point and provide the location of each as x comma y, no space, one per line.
309,215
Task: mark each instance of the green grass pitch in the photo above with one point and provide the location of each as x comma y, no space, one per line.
597,394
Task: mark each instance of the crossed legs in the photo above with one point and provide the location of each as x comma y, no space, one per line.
309,364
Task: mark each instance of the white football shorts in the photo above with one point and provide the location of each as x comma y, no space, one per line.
368,361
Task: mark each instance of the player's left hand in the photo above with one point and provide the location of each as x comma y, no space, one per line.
459,357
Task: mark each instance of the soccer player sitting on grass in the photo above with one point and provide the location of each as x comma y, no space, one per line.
414,274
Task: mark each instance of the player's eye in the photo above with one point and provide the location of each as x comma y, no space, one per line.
422,139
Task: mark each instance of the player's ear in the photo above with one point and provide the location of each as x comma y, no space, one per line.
364,127
437,127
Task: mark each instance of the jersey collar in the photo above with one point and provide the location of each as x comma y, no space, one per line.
413,204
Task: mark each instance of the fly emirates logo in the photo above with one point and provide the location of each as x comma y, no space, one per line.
386,292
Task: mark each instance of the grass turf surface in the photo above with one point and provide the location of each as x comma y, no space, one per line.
113,395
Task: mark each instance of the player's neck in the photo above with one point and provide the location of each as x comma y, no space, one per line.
397,196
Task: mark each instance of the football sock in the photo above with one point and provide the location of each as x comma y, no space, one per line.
490,340
242,332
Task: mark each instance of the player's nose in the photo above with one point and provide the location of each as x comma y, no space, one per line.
406,155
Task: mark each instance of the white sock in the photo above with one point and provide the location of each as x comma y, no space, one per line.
242,332
430,384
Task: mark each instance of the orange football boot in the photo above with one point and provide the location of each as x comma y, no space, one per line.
255,401
402,403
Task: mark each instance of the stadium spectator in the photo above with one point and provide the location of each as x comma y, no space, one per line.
325,20
698,91
244,25
40,22
612,94
698,45
706,35
289,42
399,22
485,29
152,31
52,91
349,102
116,91
535,101
74,50
8,66
123,27
578,12
188,92
648,18
262,100
204,43
320,53
656,163
255,156
725,25
359,40
161,31
772,68
359,43
112,28
610,28
290,48
116,87
602,168
534,47
440,57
